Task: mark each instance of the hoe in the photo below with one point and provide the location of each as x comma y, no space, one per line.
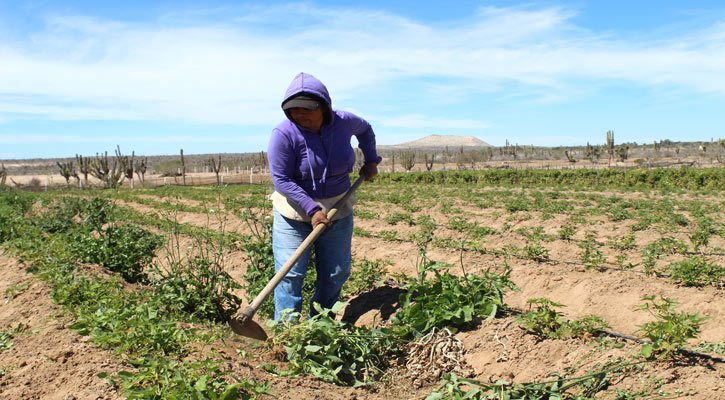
242,323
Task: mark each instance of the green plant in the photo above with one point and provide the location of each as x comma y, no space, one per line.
388,235
331,350
544,320
591,256
624,242
537,253
448,301
197,284
711,347
15,290
670,331
560,387
567,231
395,217
697,271
7,335
365,275
124,249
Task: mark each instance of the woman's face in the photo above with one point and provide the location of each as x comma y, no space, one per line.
310,119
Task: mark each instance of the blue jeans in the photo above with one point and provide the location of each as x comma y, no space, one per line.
332,261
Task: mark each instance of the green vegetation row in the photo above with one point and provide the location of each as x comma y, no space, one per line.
142,327
656,178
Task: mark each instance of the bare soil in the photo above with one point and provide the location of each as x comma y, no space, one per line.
47,361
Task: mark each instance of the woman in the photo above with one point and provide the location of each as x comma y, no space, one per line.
310,158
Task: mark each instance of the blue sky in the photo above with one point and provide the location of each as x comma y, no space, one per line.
208,76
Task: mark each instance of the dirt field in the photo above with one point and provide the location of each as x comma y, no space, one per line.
47,361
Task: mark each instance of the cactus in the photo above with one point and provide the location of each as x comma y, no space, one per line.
140,168
408,160
429,163
610,146
67,170
128,165
183,169
622,152
110,173
569,157
84,166
3,176
393,162
592,153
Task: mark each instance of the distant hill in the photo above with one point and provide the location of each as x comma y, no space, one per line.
439,141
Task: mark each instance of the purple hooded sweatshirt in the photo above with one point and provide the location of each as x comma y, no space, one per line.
306,165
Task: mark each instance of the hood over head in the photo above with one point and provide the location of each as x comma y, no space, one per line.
307,85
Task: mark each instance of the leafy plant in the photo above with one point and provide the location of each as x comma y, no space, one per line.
7,335
591,256
560,387
124,249
697,271
670,331
448,301
567,231
711,347
331,350
15,290
544,320
365,275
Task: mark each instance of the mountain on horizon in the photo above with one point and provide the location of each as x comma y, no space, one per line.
440,141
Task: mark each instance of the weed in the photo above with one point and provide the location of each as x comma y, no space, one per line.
357,231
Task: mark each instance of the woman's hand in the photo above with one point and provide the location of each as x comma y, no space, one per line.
320,218
369,170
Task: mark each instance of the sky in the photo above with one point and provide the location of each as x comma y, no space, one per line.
154,77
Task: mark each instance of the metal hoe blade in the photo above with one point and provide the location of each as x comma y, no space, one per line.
243,324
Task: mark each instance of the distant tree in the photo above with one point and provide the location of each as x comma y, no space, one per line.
216,167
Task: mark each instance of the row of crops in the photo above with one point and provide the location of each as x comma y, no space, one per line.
678,238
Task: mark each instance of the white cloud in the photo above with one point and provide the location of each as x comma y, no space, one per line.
235,71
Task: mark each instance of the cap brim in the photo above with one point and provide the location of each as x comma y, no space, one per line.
301,103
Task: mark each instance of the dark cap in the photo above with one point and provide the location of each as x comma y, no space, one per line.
307,102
